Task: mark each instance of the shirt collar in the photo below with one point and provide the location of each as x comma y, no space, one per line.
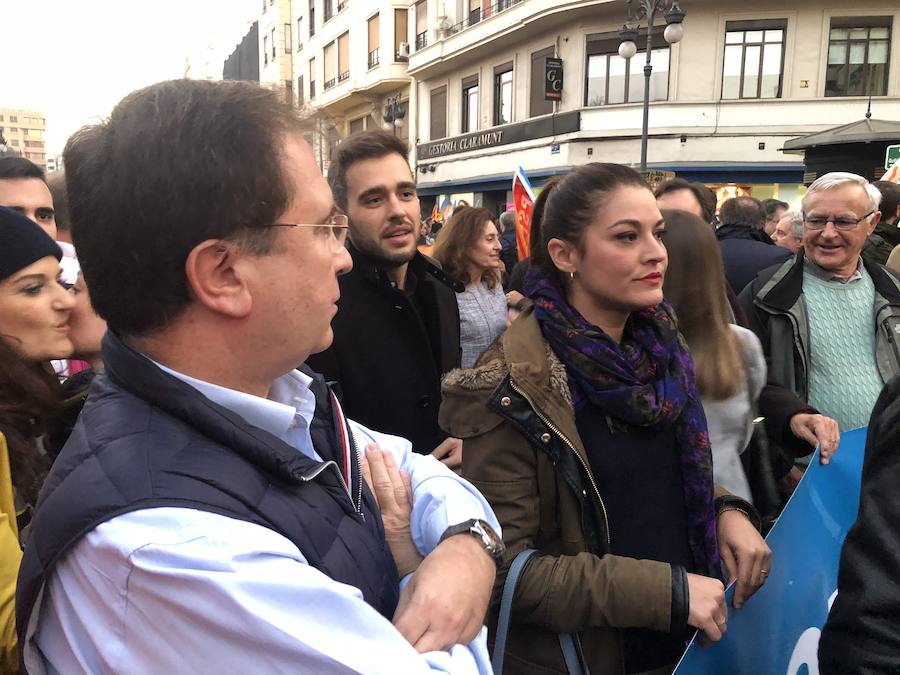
289,396
827,275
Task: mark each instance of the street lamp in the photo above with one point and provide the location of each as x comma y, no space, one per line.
627,49
394,112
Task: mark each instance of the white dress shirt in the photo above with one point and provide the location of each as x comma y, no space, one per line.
177,590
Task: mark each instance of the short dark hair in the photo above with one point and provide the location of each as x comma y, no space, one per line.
572,205
20,167
703,194
890,198
743,212
771,206
175,164
57,185
356,148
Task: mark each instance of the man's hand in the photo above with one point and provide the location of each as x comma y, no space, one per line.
746,556
817,430
449,452
445,601
392,489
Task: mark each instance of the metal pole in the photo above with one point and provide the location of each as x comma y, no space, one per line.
648,69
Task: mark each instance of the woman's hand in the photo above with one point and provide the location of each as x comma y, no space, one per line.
449,452
817,430
706,599
746,556
392,489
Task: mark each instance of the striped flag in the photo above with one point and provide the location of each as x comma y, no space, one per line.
523,202
893,174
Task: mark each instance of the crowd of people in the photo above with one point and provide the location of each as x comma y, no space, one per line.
247,424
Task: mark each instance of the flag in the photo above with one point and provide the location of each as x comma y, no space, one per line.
436,216
523,201
893,174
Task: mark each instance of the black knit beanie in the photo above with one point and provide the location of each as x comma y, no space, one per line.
22,242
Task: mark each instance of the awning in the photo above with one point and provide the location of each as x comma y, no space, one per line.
863,131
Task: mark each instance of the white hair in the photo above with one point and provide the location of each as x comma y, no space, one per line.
796,223
837,179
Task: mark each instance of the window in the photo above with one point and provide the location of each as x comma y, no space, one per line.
274,47
421,24
754,59
612,79
401,29
343,55
289,92
312,78
312,17
503,87
14,142
330,65
474,12
342,5
300,92
536,103
287,38
470,104
299,33
357,125
328,10
264,6
374,26
438,113
13,118
858,52
265,50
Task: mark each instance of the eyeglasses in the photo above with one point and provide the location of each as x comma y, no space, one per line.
820,222
337,225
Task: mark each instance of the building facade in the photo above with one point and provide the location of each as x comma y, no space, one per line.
24,132
724,100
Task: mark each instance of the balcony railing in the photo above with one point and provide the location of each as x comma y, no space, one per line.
344,76
421,40
478,15
373,58
330,83
342,5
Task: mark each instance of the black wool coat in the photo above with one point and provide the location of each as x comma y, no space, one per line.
391,349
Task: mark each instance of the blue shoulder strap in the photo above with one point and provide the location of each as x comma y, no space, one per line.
568,642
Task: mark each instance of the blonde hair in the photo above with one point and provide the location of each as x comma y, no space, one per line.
695,286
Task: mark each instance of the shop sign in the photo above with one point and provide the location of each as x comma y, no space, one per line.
553,81
549,125
891,155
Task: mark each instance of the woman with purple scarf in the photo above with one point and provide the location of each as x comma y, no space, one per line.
584,429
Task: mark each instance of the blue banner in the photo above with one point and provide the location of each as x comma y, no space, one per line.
777,631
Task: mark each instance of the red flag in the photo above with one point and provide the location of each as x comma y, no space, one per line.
523,202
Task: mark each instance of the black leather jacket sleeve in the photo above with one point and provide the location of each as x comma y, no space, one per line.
862,634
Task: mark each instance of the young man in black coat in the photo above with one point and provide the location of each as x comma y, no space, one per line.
397,327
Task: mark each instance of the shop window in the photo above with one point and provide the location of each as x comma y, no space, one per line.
858,52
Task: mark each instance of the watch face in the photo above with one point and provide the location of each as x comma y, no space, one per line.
488,536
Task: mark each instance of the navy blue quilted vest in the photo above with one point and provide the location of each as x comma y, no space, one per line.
145,439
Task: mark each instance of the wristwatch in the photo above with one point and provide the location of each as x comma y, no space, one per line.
484,533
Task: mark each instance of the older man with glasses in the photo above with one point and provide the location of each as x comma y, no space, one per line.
829,321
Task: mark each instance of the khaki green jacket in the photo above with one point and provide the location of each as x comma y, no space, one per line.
522,450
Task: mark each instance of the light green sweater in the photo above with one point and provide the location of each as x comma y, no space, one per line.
844,381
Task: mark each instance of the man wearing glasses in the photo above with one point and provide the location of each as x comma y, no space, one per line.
214,510
829,321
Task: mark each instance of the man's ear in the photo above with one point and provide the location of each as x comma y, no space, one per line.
876,217
563,255
217,279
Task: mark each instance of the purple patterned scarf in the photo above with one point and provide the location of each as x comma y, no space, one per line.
647,381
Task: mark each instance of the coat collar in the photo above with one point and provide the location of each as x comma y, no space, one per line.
133,372
424,267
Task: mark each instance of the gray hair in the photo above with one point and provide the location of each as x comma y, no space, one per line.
796,223
507,220
837,179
